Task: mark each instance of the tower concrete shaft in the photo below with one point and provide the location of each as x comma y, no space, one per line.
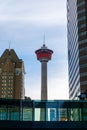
43,80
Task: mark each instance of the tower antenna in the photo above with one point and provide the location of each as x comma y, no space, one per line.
9,45
44,39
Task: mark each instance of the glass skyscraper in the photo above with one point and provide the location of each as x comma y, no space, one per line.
77,46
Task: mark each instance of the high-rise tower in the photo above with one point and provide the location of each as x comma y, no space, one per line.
11,75
44,55
77,46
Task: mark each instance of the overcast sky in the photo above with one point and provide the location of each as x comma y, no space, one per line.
23,24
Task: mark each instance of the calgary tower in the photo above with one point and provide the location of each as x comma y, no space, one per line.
44,55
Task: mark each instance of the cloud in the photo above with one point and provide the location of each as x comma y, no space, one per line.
37,12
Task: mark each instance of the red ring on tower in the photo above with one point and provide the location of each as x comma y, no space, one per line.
44,54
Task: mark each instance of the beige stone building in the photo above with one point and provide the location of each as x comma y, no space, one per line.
11,75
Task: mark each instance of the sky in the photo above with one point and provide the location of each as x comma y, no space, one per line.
23,24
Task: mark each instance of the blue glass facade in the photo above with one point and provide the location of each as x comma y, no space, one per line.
77,46
53,110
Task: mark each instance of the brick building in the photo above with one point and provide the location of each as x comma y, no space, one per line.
11,75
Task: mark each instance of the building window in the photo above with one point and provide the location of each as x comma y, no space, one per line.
4,84
3,77
4,74
9,95
3,81
82,26
17,71
10,73
3,91
82,18
10,77
81,11
10,91
3,87
83,41
3,96
81,3
82,33
0,70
